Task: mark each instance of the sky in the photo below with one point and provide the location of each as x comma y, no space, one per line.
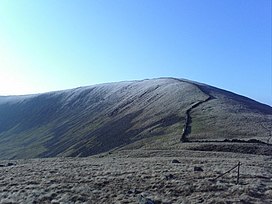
48,45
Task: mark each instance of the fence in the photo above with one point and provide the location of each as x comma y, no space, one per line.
238,172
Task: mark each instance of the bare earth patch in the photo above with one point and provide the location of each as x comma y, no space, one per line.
138,177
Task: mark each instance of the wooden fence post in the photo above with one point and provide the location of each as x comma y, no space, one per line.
238,173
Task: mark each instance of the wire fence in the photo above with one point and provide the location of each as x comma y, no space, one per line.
238,172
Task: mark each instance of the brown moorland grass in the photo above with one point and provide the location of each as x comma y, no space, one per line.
129,176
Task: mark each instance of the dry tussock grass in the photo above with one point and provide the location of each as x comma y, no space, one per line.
128,177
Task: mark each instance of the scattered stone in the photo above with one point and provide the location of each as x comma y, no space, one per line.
143,200
175,161
95,191
96,180
170,176
198,168
133,191
8,164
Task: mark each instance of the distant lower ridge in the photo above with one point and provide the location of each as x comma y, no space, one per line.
246,141
251,141
243,147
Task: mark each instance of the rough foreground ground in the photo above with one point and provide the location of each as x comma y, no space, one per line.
136,176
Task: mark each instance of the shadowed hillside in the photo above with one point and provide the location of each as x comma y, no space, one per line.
90,120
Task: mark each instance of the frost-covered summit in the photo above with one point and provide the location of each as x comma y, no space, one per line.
154,113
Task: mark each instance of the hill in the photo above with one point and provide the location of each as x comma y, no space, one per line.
151,114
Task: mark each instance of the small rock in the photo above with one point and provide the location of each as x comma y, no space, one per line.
198,168
10,164
170,176
175,161
54,201
1,165
95,191
143,200
133,191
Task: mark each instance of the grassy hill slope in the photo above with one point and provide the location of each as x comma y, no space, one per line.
90,120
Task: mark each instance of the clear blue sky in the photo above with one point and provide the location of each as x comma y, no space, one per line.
50,45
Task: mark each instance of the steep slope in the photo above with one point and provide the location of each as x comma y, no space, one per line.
228,115
95,119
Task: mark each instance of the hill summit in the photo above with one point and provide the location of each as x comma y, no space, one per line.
159,113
